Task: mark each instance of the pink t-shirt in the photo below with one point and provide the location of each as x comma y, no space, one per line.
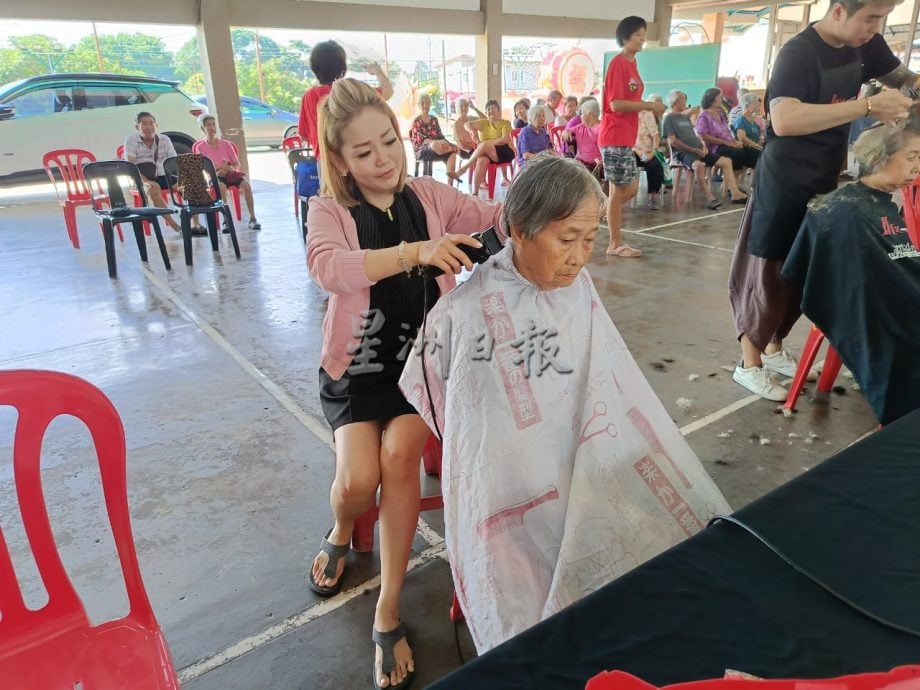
225,152
586,146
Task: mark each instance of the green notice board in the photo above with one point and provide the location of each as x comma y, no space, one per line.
692,69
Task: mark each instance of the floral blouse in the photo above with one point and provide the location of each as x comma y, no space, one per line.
424,131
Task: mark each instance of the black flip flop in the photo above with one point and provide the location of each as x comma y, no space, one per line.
388,640
334,553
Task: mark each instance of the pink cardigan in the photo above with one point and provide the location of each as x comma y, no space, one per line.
336,261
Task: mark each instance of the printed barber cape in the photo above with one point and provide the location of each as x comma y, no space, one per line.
561,469
861,286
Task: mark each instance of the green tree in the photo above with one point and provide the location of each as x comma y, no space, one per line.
282,88
30,56
123,53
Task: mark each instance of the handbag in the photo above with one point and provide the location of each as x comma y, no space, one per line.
234,177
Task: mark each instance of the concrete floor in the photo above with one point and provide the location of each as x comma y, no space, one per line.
213,370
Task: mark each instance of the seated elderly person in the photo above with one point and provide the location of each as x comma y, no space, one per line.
534,138
147,149
569,111
584,136
712,127
225,157
746,126
561,468
428,142
860,273
693,154
648,138
494,144
520,114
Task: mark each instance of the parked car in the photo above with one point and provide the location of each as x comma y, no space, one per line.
85,111
263,124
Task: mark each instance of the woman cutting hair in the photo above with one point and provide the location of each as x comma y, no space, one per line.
369,230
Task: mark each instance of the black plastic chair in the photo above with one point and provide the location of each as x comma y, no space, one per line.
112,183
294,157
187,208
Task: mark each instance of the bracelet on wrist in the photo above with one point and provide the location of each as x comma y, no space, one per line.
401,258
868,106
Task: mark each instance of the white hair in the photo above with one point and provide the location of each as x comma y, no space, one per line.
533,111
590,106
675,95
747,99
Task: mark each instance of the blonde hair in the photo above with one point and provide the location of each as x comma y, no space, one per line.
347,99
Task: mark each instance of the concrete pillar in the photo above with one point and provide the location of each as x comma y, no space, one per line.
663,13
713,25
489,54
220,72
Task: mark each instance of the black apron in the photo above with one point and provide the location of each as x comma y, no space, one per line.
794,169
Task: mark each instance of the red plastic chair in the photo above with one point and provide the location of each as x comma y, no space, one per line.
233,190
555,136
71,189
911,209
832,364
55,646
492,175
292,144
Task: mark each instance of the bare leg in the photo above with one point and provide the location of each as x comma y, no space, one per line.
155,197
400,452
247,197
615,202
482,165
750,355
486,148
699,171
357,475
451,164
725,165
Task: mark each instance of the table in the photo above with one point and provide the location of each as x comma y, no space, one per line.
723,600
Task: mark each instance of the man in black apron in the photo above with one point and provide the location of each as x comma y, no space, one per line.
811,101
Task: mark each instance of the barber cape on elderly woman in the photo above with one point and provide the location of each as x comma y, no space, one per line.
561,468
860,273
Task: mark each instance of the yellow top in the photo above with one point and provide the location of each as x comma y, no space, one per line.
488,131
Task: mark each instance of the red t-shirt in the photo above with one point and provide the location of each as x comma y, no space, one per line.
622,84
308,114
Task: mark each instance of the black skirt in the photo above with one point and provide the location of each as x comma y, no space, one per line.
364,397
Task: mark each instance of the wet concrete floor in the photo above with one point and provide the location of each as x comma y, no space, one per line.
214,372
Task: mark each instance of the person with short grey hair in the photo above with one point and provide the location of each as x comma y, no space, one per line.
533,380
746,126
859,272
428,142
534,138
735,112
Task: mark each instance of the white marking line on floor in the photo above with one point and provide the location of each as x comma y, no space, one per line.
673,239
685,220
718,414
287,402
298,620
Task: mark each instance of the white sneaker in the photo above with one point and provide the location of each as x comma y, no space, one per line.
760,382
784,363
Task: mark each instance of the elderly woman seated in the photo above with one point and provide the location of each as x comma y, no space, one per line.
561,468
428,142
746,126
534,138
584,136
712,127
688,150
860,273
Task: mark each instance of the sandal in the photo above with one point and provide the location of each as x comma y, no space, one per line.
199,231
335,553
624,251
386,641
714,205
